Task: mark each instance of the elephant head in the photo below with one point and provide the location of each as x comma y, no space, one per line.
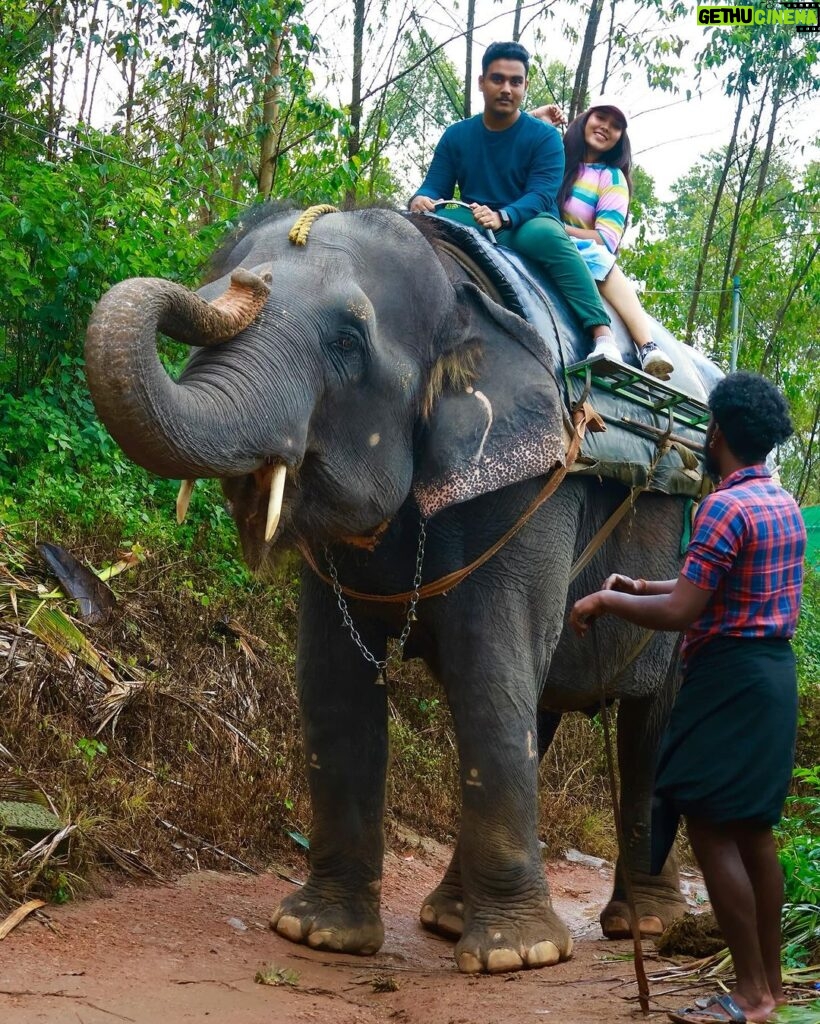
327,380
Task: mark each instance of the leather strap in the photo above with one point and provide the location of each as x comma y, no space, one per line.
440,586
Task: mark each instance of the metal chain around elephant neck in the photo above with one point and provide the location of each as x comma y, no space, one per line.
355,636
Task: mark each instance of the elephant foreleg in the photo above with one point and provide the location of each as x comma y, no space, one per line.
344,725
508,920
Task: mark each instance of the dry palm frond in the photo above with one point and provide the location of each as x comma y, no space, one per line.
59,633
126,860
114,701
14,788
202,844
42,852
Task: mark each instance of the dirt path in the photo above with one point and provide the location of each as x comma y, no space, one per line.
189,951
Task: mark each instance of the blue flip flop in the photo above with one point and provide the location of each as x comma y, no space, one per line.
701,1012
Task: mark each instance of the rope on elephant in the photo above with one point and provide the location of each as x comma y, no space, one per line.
298,234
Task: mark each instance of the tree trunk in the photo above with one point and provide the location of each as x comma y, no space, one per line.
794,286
729,261
131,73
807,469
468,66
89,49
747,226
609,39
710,225
579,90
516,33
98,69
270,120
354,142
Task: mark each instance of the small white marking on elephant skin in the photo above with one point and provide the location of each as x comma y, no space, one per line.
374,439
375,886
314,762
473,780
496,936
488,409
468,391
531,751
288,442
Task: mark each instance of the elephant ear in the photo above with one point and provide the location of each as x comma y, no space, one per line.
505,426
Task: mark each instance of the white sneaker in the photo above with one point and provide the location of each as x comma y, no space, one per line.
654,362
605,346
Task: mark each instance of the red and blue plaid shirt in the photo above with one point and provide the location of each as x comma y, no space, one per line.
747,547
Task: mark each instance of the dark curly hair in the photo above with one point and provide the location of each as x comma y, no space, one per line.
752,414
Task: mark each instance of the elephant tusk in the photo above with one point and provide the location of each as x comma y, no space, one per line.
186,489
277,493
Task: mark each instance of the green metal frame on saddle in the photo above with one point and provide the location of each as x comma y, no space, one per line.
636,386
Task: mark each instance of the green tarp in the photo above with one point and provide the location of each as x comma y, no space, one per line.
811,517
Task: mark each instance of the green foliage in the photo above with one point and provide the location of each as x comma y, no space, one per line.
799,837
780,283
799,841
70,230
807,638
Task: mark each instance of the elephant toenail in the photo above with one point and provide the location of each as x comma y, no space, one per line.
499,960
468,963
290,927
543,954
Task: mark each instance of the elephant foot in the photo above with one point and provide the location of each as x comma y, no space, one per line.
491,943
616,923
654,916
352,925
658,902
443,911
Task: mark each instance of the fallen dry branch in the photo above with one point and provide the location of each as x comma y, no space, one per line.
18,915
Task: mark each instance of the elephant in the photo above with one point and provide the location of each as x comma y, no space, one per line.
359,398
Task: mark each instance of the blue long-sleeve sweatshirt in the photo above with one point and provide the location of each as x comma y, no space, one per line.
518,169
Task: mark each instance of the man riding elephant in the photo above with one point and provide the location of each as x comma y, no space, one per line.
508,166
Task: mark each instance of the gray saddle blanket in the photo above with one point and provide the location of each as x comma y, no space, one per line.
639,412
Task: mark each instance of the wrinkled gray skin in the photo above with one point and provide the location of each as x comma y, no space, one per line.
330,380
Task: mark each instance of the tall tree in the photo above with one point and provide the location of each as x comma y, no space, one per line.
468,63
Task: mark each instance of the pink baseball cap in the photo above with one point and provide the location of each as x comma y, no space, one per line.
611,103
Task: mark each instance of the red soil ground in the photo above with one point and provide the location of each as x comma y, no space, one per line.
190,950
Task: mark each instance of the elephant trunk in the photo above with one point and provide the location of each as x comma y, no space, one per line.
184,430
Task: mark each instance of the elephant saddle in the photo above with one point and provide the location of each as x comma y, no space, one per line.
654,431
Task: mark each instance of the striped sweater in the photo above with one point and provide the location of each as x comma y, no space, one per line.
599,201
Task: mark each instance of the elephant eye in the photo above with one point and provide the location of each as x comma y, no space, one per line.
345,342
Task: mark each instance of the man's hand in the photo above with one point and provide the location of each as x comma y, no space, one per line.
624,584
551,113
485,217
585,612
422,204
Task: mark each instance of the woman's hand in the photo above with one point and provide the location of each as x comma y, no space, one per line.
551,113
625,584
585,612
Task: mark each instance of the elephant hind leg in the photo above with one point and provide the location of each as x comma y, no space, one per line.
658,902
443,910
